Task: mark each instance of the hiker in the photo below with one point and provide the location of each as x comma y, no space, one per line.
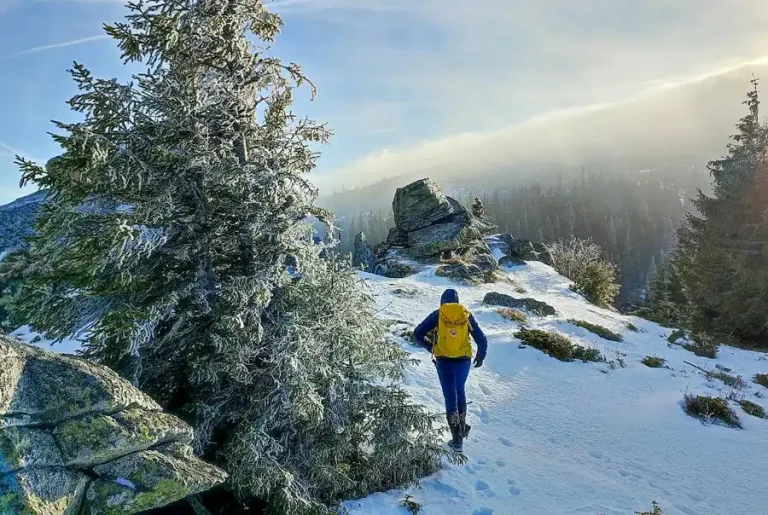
452,354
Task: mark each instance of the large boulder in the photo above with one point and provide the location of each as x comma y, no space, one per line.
397,237
432,228
527,250
531,305
420,204
75,438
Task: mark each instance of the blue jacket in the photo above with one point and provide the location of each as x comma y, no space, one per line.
429,323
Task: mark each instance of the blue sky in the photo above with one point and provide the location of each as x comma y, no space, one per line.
396,76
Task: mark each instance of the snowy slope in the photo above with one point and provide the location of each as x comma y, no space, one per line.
574,438
67,346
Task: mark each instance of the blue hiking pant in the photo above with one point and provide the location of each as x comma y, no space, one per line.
453,375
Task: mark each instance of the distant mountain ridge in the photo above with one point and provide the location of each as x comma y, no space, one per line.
17,219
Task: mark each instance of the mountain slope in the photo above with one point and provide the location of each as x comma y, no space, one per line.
17,218
562,438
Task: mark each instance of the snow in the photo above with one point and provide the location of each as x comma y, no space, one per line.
67,346
125,482
564,438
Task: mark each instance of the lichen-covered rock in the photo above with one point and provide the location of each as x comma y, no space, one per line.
147,480
420,204
22,447
95,439
531,305
48,388
64,422
42,492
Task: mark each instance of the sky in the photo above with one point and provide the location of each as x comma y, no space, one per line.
405,84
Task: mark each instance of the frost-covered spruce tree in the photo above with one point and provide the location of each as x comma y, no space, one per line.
176,211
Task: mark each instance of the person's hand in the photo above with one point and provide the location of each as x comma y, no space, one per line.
478,362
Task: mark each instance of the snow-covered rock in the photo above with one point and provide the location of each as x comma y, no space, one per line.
594,438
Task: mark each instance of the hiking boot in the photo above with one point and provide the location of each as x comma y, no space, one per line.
457,436
463,424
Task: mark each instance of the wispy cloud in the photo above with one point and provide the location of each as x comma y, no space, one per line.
11,152
73,42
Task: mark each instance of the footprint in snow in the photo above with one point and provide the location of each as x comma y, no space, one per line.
483,511
506,442
513,489
485,389
501,463
482,486
596,454
480,413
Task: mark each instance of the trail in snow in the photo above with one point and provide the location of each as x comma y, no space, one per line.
574,438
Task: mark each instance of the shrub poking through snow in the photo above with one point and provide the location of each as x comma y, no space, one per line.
710,408
703,346
584,263
557,345
513,314
599,330
632,327
676,335
655,510
654,361
753,409
732,381
762,379
413,507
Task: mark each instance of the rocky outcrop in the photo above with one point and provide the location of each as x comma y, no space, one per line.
75,438
530,305
524,250
362,255
419,205
434,228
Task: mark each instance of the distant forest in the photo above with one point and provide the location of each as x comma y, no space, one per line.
632,216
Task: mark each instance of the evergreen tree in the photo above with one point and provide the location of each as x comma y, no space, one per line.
175,211
649,276
478,208
722,256
665,302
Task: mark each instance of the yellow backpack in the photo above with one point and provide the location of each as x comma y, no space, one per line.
453,332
